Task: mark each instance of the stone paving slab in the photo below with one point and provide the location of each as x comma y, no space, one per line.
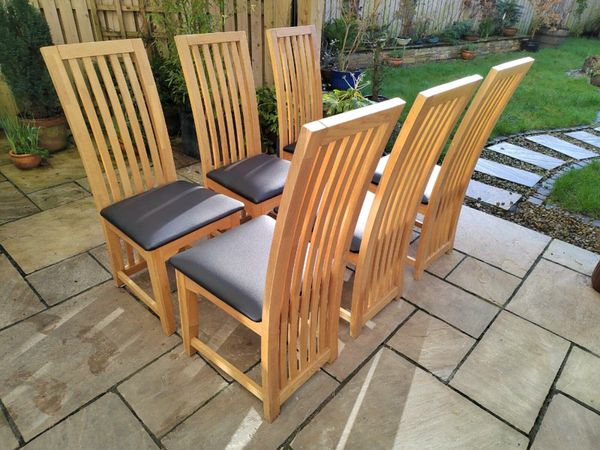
580,378
445,263
49,237
192,173
67,278
104,424
568,425
17,300
571,256
510,247
62,167
484,280
507,173
492,195
391,403
522,359
58,195
352,352
432,343
585,136
562,301
457,307
234,419
170,389
8,441
62,358
526,155
562,146
13,204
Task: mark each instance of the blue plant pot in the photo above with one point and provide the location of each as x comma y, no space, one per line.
433,39
344,80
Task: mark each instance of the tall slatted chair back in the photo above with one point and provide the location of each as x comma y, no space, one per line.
218,75
111,103
443,210
297,74
388,231
327,183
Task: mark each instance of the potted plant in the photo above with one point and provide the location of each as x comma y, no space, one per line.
339,101
544,13
467,52
553,31
23,31
509,12
394,58
23,139
376,39
456,31
419,31
267,118
594,73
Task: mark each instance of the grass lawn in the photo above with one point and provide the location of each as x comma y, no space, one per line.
546,99
579,190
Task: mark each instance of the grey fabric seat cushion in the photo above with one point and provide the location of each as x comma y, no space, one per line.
430,184
233,265
257,178
290,148
161,215
366,208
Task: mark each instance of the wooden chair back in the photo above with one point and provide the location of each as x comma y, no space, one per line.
383,250
443,209
297,75
218,75
110,100
329,176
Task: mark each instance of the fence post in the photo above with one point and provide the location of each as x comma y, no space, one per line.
311,12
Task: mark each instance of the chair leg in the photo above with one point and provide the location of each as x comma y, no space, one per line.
113,246
270,381
188,310
159,278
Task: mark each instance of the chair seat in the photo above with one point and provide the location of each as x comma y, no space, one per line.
163,214
290,148
367,204
233,265
257,178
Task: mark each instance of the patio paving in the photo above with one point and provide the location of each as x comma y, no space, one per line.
497,346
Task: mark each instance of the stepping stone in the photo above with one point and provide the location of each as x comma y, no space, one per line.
507,173
564,147
492,195
586,137
526,155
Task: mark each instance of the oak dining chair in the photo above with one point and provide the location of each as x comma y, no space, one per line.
294,55
449,184
283,278
383,233
218,75
110,100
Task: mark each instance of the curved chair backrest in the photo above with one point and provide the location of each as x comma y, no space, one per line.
110,100
328,179
297,74
218,75
384,247
443,209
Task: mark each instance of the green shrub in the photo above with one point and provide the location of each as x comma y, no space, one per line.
338,101
267,117
23,31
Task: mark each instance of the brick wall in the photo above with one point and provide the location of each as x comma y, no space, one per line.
422,54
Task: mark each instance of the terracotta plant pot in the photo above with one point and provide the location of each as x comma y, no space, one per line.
509,31
25,162
466,54
470,37
393,61
596,278
52,132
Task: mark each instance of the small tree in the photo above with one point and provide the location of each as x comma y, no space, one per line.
23,31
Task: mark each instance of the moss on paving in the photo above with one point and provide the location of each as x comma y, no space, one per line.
548,97
578,190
